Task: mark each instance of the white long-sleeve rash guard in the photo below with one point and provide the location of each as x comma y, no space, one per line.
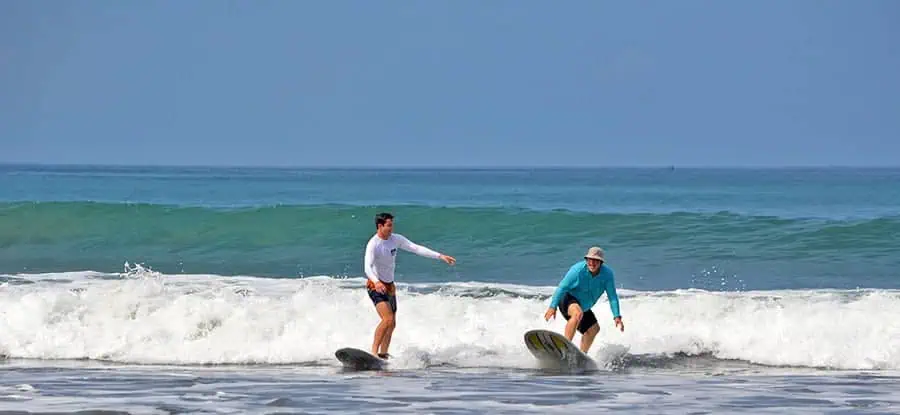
381,255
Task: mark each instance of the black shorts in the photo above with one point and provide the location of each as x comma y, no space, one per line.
588,318
378,297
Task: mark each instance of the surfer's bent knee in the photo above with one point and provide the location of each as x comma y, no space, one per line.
576,313
565,307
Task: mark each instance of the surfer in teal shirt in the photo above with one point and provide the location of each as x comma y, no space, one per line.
579,290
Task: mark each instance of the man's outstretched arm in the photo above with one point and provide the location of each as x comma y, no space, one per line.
409,246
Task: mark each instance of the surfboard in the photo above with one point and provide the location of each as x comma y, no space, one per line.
555,351
356,359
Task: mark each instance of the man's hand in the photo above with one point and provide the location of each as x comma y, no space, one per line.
619,323
380,287
448,259
551,313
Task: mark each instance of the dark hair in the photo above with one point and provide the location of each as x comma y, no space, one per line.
383,217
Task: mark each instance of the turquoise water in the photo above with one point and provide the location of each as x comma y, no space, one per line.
663,229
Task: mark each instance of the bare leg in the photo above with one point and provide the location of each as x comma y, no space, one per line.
588,338
387,322
386,342
574,319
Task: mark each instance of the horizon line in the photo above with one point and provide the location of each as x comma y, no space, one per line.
454,167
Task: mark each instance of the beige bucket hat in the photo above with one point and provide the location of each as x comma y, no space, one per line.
595,252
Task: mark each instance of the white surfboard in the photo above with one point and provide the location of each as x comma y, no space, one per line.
356,359
555,351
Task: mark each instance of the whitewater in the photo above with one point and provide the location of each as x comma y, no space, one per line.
145,317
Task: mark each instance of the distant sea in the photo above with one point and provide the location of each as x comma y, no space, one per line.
173,290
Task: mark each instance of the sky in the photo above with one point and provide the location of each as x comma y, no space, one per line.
450,83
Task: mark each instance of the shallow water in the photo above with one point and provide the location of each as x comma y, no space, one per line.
705,387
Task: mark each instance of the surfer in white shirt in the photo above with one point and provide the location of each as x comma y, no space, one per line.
380,257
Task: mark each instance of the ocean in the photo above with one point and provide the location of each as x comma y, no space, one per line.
201,289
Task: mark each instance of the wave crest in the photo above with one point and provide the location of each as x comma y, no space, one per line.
144,317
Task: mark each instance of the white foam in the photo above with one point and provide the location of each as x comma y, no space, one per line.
198,319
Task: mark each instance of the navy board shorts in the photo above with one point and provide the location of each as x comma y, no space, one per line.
588,319
389,295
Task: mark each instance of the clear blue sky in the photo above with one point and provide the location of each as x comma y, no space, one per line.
390,83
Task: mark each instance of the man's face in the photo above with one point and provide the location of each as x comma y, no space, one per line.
387,228
593,265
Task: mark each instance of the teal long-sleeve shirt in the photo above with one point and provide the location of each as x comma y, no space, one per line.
587,288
